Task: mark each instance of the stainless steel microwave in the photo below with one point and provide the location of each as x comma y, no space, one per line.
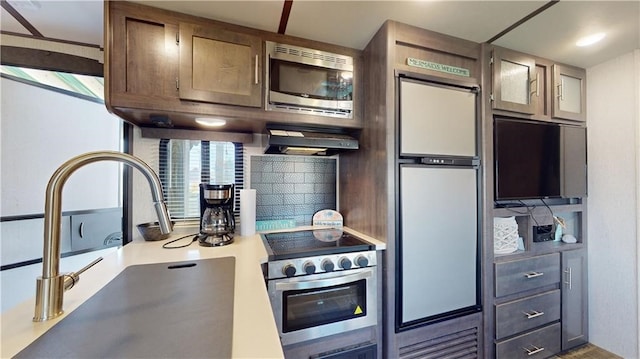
308,81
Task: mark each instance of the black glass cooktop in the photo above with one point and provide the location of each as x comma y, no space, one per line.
287,245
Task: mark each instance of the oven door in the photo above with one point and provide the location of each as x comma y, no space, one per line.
319,305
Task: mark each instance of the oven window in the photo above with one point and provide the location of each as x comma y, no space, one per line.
313,307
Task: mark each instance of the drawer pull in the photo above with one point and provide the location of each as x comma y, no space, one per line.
533,275
533,314
533,350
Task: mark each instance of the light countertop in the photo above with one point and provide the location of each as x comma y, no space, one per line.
255,334
254,331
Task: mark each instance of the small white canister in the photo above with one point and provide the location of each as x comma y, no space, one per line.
505,235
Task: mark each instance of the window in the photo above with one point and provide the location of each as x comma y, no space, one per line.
82,86
184,164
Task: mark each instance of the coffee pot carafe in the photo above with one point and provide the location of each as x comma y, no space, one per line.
217,222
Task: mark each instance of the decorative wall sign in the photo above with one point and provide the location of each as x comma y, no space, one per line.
459,71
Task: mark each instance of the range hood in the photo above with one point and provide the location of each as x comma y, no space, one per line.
318,142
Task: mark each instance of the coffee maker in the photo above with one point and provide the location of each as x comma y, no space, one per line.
217,222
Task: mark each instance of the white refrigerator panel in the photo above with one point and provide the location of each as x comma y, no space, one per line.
438,240
437,120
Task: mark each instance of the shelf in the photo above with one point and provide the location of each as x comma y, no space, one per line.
529,216
526,210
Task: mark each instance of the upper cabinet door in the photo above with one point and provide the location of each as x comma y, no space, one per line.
219,66
569,93
141,62
514,82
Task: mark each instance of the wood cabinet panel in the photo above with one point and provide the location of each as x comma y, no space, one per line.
220,66
574,299
404,51
540,343
527,313
147,53
453,54
526,274
542,96
141,54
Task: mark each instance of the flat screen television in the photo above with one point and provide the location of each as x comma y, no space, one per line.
534,160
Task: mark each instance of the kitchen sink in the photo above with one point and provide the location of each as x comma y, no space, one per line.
179,309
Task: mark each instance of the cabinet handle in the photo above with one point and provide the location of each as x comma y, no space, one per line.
569,279
537,88
533,314
81,230
533,350
256,70
561,90
533,275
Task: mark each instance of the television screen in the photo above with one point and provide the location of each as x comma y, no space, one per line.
527,159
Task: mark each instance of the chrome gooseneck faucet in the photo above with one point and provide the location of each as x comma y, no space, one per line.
51,285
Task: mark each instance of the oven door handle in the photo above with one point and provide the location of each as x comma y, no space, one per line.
318,283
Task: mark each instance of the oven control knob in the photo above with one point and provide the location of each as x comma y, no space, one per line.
345,263
327,265
289,270
309,268
362,261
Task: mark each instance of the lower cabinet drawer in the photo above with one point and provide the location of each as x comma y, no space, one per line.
537,344
526,274
527,313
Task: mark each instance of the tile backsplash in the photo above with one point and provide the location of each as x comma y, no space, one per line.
292,187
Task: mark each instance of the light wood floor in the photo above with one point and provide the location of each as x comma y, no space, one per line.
588,351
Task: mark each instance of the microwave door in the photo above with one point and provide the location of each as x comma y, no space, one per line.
283,98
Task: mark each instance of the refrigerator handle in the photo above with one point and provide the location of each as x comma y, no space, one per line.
448,161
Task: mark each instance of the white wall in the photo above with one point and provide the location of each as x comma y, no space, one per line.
41,129
613,145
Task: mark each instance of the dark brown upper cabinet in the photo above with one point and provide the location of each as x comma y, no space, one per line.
141,57
166,69
220,66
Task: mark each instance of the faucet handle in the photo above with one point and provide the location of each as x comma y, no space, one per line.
70,279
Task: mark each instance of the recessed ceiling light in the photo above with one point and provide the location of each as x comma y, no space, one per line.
210,121
590,40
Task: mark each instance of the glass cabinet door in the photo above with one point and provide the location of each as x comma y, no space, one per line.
569,93
514,82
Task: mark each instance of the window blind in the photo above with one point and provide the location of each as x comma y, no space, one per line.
184,164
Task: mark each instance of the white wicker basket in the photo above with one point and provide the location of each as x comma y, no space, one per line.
505,235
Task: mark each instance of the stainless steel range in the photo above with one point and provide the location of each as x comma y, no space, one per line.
320,282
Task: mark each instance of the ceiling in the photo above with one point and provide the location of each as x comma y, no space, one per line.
550,34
